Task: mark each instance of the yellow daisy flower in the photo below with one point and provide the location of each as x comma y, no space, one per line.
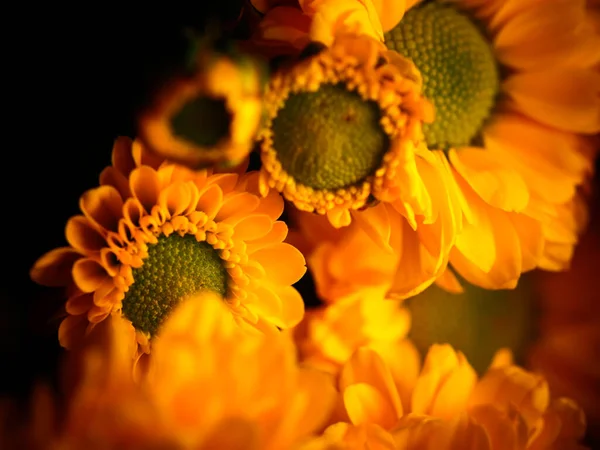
343,140
154,233
450,407
210,386
209,117
513,93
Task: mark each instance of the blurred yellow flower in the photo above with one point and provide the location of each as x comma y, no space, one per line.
210,385
449,407
154,233
209,117
329,335
300,22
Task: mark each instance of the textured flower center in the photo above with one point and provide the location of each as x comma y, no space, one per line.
460,75
329,139
174,268
203,121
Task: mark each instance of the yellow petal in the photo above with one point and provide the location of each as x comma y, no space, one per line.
79,304
550,161
71,330
285,274
390,12
122,158
508,386
504,252
112,177
54,268
237,205
103,206
176,199
376,223
492,179
453,395
365,404
253,227
276,235
366,367
292,306
440,361
309,409
145,186
566,99
88,274
448,281
210,201
82,236
526,43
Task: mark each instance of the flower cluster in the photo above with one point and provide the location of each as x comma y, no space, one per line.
399,144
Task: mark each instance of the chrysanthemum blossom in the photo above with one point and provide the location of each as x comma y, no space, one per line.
513,125
208,117
343,140
154,233
516,93
210,386
450,408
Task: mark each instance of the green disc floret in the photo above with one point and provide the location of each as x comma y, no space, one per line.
460,75
175,267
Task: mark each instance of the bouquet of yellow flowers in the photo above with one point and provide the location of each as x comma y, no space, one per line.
330,231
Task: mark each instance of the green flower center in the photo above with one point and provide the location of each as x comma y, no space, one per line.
203,121
329,139
174,268
460,75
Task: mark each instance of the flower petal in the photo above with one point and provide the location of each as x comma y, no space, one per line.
54,268
277,273
145,186
102,206
88,274
566,99
494,181
82,236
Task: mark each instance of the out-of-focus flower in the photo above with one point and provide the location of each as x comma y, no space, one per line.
450,408
210,385
343,135
329,335
209,117
343,265
154,233
288,26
